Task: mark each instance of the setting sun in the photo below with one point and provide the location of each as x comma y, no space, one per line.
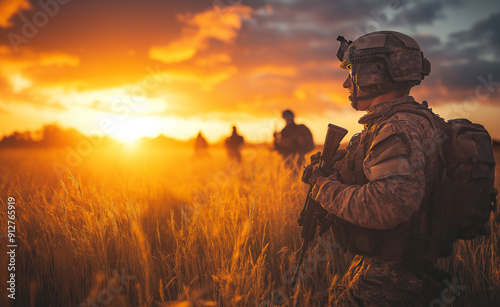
130,129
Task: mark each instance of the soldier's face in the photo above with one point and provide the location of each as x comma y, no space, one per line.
361,105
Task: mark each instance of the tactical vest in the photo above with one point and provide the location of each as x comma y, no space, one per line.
409,240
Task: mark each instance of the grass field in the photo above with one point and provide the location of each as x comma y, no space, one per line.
157,228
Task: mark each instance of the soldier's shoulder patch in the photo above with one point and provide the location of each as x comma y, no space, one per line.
385,132
388,153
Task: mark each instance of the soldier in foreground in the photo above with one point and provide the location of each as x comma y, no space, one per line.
375,198
294,141
234,144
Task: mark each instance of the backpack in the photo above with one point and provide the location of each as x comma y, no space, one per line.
466,196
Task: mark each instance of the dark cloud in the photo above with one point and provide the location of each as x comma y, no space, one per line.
470,76
485,34
428,42
467,65
426,12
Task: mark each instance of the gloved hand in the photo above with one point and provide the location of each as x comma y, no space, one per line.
312,172
308,170
321,180
315,174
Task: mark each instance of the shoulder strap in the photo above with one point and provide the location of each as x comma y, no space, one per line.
437,123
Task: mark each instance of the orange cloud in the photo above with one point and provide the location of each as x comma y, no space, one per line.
206,80
328,90
29,58
267,70
23,76
58,59
20,69
199,29
214,59
174,52
9,8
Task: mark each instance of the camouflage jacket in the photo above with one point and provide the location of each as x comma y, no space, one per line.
391,184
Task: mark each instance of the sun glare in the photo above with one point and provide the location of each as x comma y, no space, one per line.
131,129
126,137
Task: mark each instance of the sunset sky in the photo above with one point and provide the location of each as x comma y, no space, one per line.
131,68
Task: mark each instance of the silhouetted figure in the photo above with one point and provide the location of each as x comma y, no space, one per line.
234,144
294,141
200,146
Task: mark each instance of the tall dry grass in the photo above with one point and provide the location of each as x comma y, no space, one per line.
155,228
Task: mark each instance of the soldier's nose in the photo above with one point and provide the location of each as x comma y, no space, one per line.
347,82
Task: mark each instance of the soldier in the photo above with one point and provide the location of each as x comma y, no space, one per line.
375,198
200,146
234,144
294,141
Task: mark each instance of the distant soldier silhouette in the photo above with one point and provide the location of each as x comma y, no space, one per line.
294,141
234,144
200,146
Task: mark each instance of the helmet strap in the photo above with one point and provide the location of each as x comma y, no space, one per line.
355,99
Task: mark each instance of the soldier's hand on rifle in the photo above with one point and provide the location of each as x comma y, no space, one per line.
321,179
315,158
312,172
316,173
308,170
339,155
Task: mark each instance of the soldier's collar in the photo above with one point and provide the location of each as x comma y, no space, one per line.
381,109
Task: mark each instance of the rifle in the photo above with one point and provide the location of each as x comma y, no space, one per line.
309,216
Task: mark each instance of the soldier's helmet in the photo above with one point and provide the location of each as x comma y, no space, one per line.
383,60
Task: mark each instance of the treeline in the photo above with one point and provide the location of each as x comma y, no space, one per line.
49,136
53,136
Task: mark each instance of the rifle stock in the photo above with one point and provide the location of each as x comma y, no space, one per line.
309,220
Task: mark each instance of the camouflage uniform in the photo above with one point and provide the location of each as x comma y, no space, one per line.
380,191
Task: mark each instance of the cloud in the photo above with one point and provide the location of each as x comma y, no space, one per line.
425,12
174,52
467,65
273,70
485,35
206,80
10,7
58,59
21,75
199,29
30,64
